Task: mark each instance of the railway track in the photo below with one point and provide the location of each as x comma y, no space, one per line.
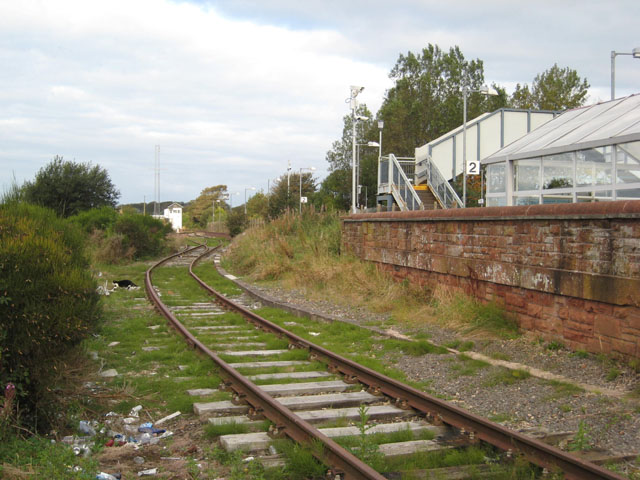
319,387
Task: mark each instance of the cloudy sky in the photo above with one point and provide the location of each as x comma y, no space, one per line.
232,90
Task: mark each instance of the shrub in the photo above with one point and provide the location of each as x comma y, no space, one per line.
236,222
95,219
144,234
48,301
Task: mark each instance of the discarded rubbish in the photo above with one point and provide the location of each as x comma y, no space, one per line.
108,476
150,471
138,460
148,428
85,428
314,334
134,411
168,417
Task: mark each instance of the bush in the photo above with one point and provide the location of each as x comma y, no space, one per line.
236,222
95,219
48,302
142,234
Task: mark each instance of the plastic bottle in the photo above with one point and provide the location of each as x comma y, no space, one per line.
105,476
86,429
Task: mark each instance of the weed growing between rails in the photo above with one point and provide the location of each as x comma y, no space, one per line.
303,253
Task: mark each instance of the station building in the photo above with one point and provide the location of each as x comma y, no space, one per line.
587,154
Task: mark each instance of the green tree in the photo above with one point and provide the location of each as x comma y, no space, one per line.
236,221
258,206
69,188
554,89
341,153
199,212
335,191
286,196
426,100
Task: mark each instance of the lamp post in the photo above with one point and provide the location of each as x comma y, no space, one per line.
484,90
245,198
635,53
354,105
380,127
311,169
230,198
358,169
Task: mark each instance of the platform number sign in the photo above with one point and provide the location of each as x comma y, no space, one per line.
473,167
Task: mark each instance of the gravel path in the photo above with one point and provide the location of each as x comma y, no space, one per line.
609,421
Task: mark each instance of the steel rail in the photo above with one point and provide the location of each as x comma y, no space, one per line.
535,451
286,422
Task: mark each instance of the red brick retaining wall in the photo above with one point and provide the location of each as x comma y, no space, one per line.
569,272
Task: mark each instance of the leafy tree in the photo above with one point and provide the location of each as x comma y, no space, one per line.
200,211
341,153
426,100
236,221
69,187
258,206
285,197
335,191
554,89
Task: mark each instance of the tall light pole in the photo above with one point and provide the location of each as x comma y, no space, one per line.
245,198
230,195
358,169
354,105
380,127
635,53
484,90
311,169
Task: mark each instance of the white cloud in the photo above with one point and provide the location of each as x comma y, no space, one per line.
233,91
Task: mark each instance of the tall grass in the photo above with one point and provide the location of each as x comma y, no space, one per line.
304,253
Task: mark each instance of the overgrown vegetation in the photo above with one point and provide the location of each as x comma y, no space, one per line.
48,304
304,253
128,236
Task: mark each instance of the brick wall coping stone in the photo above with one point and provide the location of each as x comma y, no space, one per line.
597,210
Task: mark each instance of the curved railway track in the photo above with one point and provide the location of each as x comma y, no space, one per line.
406,406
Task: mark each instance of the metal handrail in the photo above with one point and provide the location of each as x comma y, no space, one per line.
393,179
440,187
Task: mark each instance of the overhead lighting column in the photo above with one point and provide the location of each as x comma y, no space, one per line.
635,53
358,169
245,198
354,105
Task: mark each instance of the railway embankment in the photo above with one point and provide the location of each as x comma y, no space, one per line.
569,273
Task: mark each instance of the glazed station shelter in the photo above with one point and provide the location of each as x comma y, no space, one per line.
586,154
